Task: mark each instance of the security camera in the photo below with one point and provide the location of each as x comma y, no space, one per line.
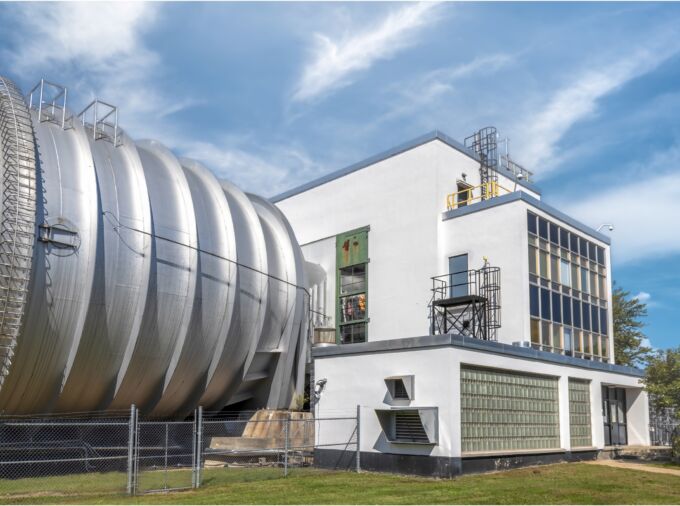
611,228
318,388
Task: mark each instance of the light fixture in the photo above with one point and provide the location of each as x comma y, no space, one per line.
609,226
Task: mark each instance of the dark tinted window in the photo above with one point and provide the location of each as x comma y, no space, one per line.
564,238
574,243
531,223
533,300
603,321
593,252
556,308
584,247
545,304
566,310
586,315
600,255
594,318
554,234
576,306
543,228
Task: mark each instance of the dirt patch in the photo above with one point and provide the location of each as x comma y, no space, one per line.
634,465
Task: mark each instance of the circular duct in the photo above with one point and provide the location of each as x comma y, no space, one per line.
135,277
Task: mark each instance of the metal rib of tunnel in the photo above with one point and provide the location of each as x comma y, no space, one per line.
129,276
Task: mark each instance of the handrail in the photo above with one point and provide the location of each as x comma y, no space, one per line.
486,190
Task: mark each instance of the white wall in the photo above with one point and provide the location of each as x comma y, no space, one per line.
500,234
401,199
358,379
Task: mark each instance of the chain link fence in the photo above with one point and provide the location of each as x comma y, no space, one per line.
122,453
664,423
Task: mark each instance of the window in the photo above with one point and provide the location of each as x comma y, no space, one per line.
554,272
533,300
542,228
535,332
566,310
545,303
567,340
352,286
554,234
586,315
464,194
353,279
458,270
568,289
544,263
565,273
576,312
584,280
556,307
532,260
531,223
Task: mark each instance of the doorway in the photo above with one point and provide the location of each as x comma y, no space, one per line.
614,415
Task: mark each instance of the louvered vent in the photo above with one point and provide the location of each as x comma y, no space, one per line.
400,390
409,427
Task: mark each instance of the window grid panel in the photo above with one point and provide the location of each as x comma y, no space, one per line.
501,410
580,413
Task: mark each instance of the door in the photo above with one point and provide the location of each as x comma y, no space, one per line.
614,414
458,274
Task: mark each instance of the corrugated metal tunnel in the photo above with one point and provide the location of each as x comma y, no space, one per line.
128,275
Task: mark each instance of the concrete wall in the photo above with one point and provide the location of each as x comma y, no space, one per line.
358,379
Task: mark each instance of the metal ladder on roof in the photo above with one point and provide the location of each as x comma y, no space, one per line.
17,215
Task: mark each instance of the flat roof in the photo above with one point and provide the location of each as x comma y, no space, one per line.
406,146
456,341
538,204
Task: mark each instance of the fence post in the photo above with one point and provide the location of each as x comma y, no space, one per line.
131,449
194,446
286,430
199,446
358,438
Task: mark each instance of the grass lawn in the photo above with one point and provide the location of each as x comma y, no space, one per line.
555,484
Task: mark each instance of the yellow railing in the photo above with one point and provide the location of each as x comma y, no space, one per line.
474,193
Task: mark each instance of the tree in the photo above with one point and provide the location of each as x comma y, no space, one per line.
628,335
662,379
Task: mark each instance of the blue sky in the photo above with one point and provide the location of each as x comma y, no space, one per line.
271,95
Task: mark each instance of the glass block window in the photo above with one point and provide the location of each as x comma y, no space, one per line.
579,413
567,291
504,410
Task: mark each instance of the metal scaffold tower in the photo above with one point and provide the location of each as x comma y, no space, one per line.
467,303
484,142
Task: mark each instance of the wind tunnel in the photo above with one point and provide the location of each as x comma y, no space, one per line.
129,276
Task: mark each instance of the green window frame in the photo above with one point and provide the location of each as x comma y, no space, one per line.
351,287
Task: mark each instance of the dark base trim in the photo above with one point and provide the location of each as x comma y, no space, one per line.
440,467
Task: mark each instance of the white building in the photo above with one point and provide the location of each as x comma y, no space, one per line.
473,321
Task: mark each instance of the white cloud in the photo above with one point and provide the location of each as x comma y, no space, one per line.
96,49
419,96
539,134
643,209
262,170
334,64
643,297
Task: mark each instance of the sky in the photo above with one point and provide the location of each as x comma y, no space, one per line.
272,95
